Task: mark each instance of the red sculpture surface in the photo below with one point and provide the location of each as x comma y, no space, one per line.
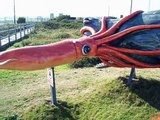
67,51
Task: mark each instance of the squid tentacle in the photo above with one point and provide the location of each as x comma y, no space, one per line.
103,28
134,63
125,32
107,61
138,52
114,60
93,31
87,28
117,25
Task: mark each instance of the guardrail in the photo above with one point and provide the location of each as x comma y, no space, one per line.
10,36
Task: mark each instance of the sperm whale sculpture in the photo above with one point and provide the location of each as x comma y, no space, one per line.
134,42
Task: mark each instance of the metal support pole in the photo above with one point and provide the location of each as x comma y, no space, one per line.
131,76
51,77
132,73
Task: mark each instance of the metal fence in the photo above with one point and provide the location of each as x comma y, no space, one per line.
9,20
11,35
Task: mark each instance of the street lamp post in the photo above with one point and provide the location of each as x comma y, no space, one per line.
14,10
131,7
149,5
108,10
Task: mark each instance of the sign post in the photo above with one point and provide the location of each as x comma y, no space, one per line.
51,79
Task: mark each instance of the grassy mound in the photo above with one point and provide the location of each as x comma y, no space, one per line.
108,100
63,111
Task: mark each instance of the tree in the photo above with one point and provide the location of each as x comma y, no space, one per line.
63,17
21,20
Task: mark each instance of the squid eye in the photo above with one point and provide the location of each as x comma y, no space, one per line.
86,49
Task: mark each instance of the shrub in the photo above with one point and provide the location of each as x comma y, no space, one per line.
11,117
51,24
71,24
86,62
63,17
55,24
25,43
17,45
62,36
39,25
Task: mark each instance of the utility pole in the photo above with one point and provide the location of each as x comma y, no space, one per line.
14,10
131,6
149,5
108,10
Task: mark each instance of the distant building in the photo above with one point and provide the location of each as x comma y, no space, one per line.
52,16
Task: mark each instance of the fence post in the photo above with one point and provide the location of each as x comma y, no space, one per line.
8,36
20,32
24,30
0,42
28,29
15,30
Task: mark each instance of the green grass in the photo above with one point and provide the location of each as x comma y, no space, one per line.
46,111
113,100
107,100
45,36
17,88
88,93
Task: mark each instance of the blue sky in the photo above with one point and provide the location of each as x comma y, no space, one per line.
77,8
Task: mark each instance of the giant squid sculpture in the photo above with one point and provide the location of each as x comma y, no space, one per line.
134,42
